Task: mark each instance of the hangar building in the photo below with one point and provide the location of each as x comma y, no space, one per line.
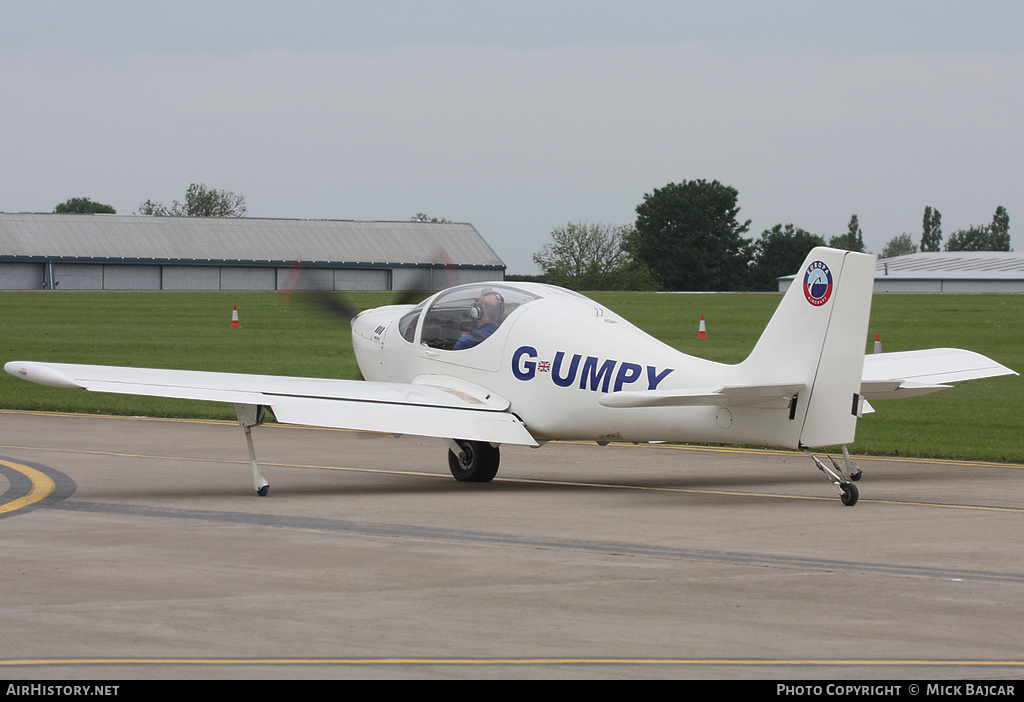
139,252
946,272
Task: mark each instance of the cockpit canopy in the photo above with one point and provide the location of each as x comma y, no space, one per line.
459,310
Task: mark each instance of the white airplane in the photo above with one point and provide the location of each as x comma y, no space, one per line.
543,363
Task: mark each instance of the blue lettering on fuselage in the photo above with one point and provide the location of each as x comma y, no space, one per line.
585,372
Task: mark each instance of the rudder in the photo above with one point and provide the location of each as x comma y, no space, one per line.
817,336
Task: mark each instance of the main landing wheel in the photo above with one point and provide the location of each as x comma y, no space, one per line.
849,494
477,464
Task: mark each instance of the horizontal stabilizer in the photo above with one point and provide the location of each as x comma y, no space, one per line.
894,389
913,373
774,396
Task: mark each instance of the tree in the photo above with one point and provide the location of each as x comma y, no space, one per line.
585,256
779,252
931,234
200,201
975,238
899,246
986,237
83,205
1001,230
852,240
688,236
420,217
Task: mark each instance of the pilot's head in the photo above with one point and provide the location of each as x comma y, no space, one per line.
488,307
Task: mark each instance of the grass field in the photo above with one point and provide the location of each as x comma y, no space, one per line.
978,420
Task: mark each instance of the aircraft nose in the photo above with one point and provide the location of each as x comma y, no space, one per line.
365,326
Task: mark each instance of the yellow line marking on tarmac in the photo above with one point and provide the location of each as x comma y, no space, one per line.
677,447
513,662
800,454
538,481
82,415
42,486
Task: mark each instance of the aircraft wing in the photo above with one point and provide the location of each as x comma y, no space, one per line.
435,406
912,373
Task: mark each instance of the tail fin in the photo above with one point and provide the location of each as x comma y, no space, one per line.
817,336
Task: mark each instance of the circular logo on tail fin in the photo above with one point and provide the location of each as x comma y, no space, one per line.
817,283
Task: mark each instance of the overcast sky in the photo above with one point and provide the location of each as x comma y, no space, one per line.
519,117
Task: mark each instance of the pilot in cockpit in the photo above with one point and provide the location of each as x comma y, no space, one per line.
486,312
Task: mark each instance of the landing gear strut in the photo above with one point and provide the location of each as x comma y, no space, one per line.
250,416
848,492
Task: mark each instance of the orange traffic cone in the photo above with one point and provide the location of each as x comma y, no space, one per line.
234,316
702,333
878,343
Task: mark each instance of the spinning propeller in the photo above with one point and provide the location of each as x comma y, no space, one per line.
337,304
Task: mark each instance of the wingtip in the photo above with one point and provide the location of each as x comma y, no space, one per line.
41,373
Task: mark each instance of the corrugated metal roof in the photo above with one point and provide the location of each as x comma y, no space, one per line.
140,237
963,265
950,265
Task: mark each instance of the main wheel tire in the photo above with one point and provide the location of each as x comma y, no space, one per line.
479,463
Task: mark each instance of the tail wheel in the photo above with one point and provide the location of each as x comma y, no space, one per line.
478,462
849,494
